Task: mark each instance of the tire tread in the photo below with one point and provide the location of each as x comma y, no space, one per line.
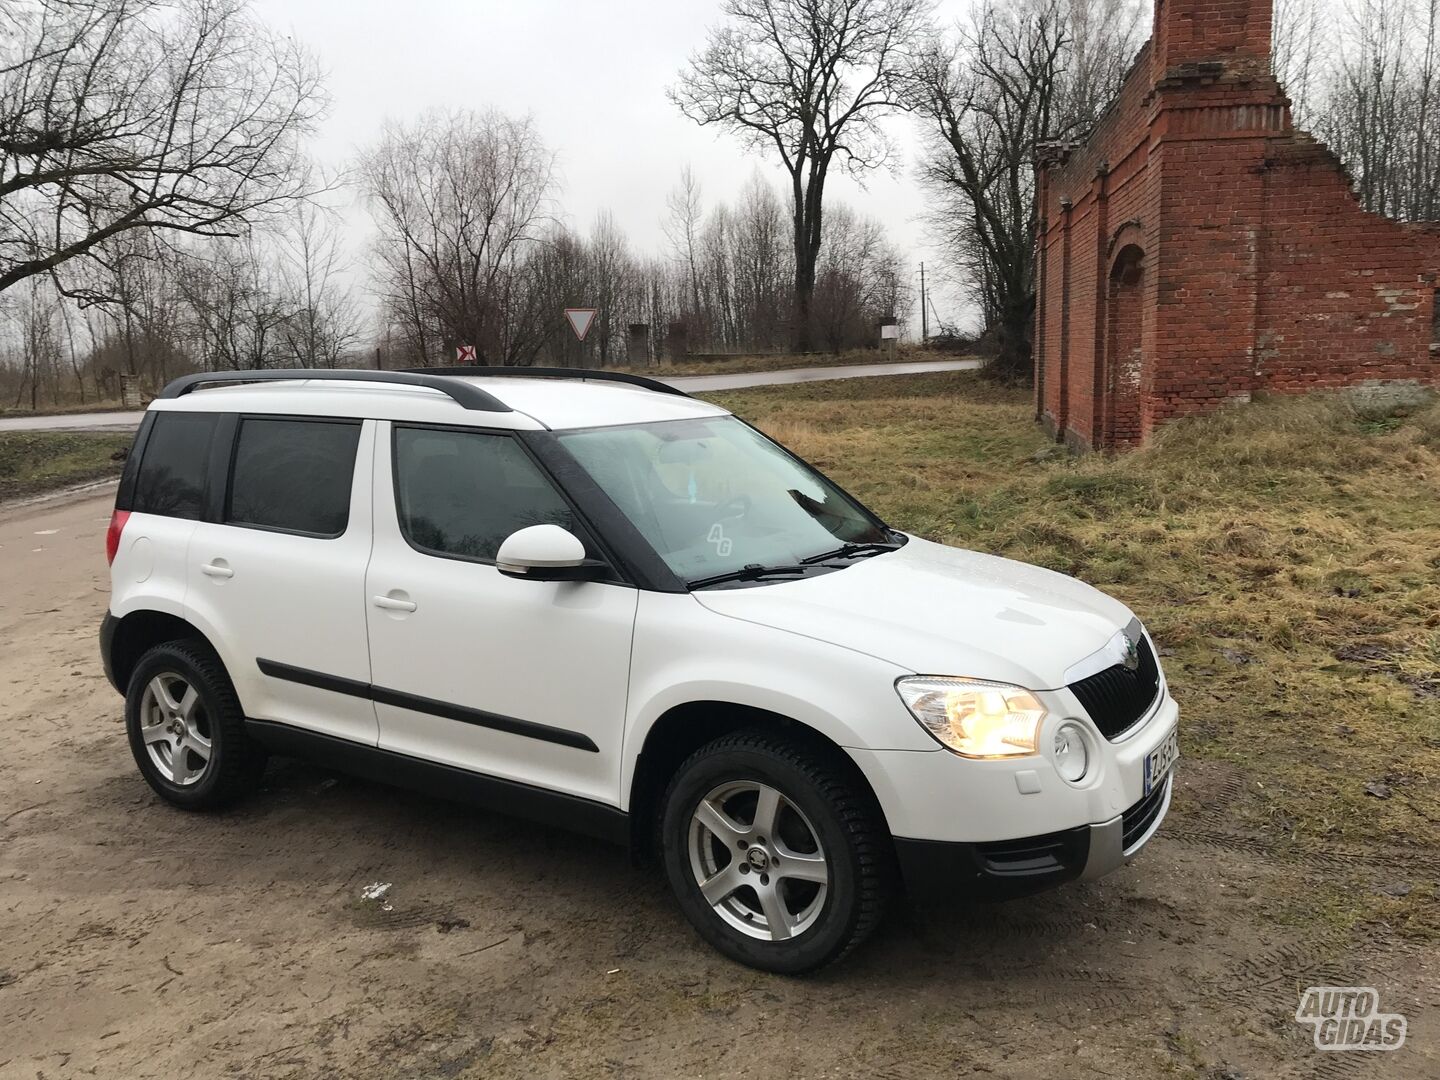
239,759
859,819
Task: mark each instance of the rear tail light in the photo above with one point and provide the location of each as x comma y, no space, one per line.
112,534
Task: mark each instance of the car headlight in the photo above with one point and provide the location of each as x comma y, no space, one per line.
973,718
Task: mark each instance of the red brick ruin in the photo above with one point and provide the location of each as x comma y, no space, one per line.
1196,248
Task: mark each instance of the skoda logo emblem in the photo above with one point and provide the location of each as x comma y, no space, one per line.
1132,655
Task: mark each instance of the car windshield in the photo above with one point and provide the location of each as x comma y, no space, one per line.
714,496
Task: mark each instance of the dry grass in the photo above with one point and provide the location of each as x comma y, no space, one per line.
32,462
66,409
1285,555
735,365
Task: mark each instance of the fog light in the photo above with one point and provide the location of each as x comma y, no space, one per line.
1072,758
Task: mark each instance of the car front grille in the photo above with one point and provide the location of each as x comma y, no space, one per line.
1140,818
1118,698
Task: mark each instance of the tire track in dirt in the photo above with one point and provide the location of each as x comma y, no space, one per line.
1252,985
1215,810
1415,861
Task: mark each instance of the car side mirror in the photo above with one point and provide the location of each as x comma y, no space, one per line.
547,553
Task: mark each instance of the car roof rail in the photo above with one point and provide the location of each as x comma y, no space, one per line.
464,394
585,374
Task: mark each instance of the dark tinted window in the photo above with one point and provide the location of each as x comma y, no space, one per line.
463,493
294,475
172,470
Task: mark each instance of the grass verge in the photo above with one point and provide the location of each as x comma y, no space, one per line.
1285,555
737,365
34,462
66,409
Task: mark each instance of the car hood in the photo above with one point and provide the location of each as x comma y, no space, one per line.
938,610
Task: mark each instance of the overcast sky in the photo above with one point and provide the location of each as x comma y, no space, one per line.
594,77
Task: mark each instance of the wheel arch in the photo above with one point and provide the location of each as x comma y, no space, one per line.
682,729
127,638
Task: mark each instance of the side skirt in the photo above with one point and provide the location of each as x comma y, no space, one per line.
569,812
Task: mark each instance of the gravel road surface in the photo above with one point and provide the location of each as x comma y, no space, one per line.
140,941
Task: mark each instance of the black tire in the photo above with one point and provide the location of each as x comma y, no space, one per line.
236,761
845,824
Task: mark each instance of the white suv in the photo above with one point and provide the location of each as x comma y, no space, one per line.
589,599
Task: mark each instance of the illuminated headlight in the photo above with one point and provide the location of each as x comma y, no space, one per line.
1072,756
975,719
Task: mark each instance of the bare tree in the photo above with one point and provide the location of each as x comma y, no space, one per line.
35,313
682,228
808,80
141,277
1015,77
858,281
120,115
325,324
1425,160
461,199
1300,53
760,262
739,295
1381,112
233,296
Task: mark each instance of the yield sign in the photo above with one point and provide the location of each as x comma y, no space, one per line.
465,354
581,319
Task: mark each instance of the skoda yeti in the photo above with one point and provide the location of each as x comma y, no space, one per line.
592,600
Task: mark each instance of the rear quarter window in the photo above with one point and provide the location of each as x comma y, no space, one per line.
294,475
171,478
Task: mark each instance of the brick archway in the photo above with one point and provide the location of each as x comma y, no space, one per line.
1124,350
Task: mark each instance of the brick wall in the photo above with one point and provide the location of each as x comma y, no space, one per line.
1196,248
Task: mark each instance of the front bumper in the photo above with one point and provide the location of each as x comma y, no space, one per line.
936,871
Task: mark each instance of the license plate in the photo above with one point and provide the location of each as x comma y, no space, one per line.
1160,761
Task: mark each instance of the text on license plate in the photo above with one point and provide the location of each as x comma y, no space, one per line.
1160,761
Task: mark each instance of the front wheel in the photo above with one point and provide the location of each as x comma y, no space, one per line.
777,857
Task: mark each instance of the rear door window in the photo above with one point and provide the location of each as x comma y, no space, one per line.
171,481
293,475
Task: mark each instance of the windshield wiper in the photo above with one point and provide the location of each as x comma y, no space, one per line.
852,551
753,572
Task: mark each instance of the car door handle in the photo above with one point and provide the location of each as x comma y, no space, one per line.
217,569
391,603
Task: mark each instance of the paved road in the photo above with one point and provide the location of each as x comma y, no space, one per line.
100,421
125,421
701,384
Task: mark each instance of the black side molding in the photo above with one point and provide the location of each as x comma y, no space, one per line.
305,677
569,812
398,698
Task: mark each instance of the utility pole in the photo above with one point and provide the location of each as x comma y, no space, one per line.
924,309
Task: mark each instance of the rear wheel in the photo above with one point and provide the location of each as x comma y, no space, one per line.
775,855
186,728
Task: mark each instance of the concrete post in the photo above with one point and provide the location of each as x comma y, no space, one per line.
637,345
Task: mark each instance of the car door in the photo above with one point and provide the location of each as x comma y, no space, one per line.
277,573
522,680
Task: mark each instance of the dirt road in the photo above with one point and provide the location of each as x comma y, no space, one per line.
139,941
